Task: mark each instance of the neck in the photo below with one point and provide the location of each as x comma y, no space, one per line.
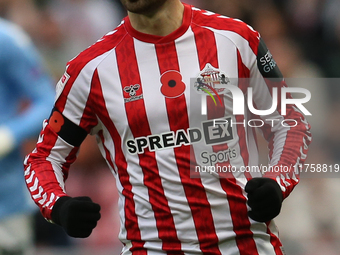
161,22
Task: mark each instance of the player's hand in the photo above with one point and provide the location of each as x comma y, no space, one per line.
78,216
264,199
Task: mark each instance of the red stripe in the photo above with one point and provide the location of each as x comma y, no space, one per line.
193,188
294,139
206,46
239,215
237,202
69,161
138,123
217,112
131,220
107,152
275,241
207,53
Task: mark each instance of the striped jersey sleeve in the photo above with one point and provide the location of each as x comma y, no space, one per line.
46,168
288,135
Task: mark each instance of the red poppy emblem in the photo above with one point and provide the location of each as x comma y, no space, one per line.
56,121
172,84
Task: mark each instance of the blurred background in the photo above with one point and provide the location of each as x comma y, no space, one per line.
304,38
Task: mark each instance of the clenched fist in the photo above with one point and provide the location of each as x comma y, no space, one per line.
264,199
78,216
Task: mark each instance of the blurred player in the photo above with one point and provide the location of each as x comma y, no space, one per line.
26,94
133,90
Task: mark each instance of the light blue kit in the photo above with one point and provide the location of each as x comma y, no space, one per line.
22,79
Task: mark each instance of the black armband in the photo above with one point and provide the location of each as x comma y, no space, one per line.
266,63
66,129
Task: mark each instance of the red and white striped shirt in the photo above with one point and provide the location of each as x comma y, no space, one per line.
138,94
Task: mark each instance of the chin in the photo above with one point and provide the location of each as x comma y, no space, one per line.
142,6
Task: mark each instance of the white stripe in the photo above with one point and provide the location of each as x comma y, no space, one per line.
248,57
302,155
25,161
278,180
29,180
278,146
42,201
126,249
41,136
253,151
78,95
262,241
35,185
52,196
227,58
208,13
121,205
305,146
28,169
40,192
51,205
57,158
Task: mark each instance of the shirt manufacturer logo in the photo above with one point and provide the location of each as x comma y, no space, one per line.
132,93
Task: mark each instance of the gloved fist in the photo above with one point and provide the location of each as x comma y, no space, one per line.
264,199
78,216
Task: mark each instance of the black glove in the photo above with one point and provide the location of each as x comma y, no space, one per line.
78,216
264,199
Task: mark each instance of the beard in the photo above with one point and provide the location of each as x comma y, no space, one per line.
142,6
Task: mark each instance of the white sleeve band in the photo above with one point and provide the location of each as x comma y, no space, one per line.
7,141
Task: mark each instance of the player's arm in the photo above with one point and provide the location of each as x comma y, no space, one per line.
46,170
288,135
287,141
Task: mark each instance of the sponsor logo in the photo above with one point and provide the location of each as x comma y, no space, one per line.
217,131
266,63
212,132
